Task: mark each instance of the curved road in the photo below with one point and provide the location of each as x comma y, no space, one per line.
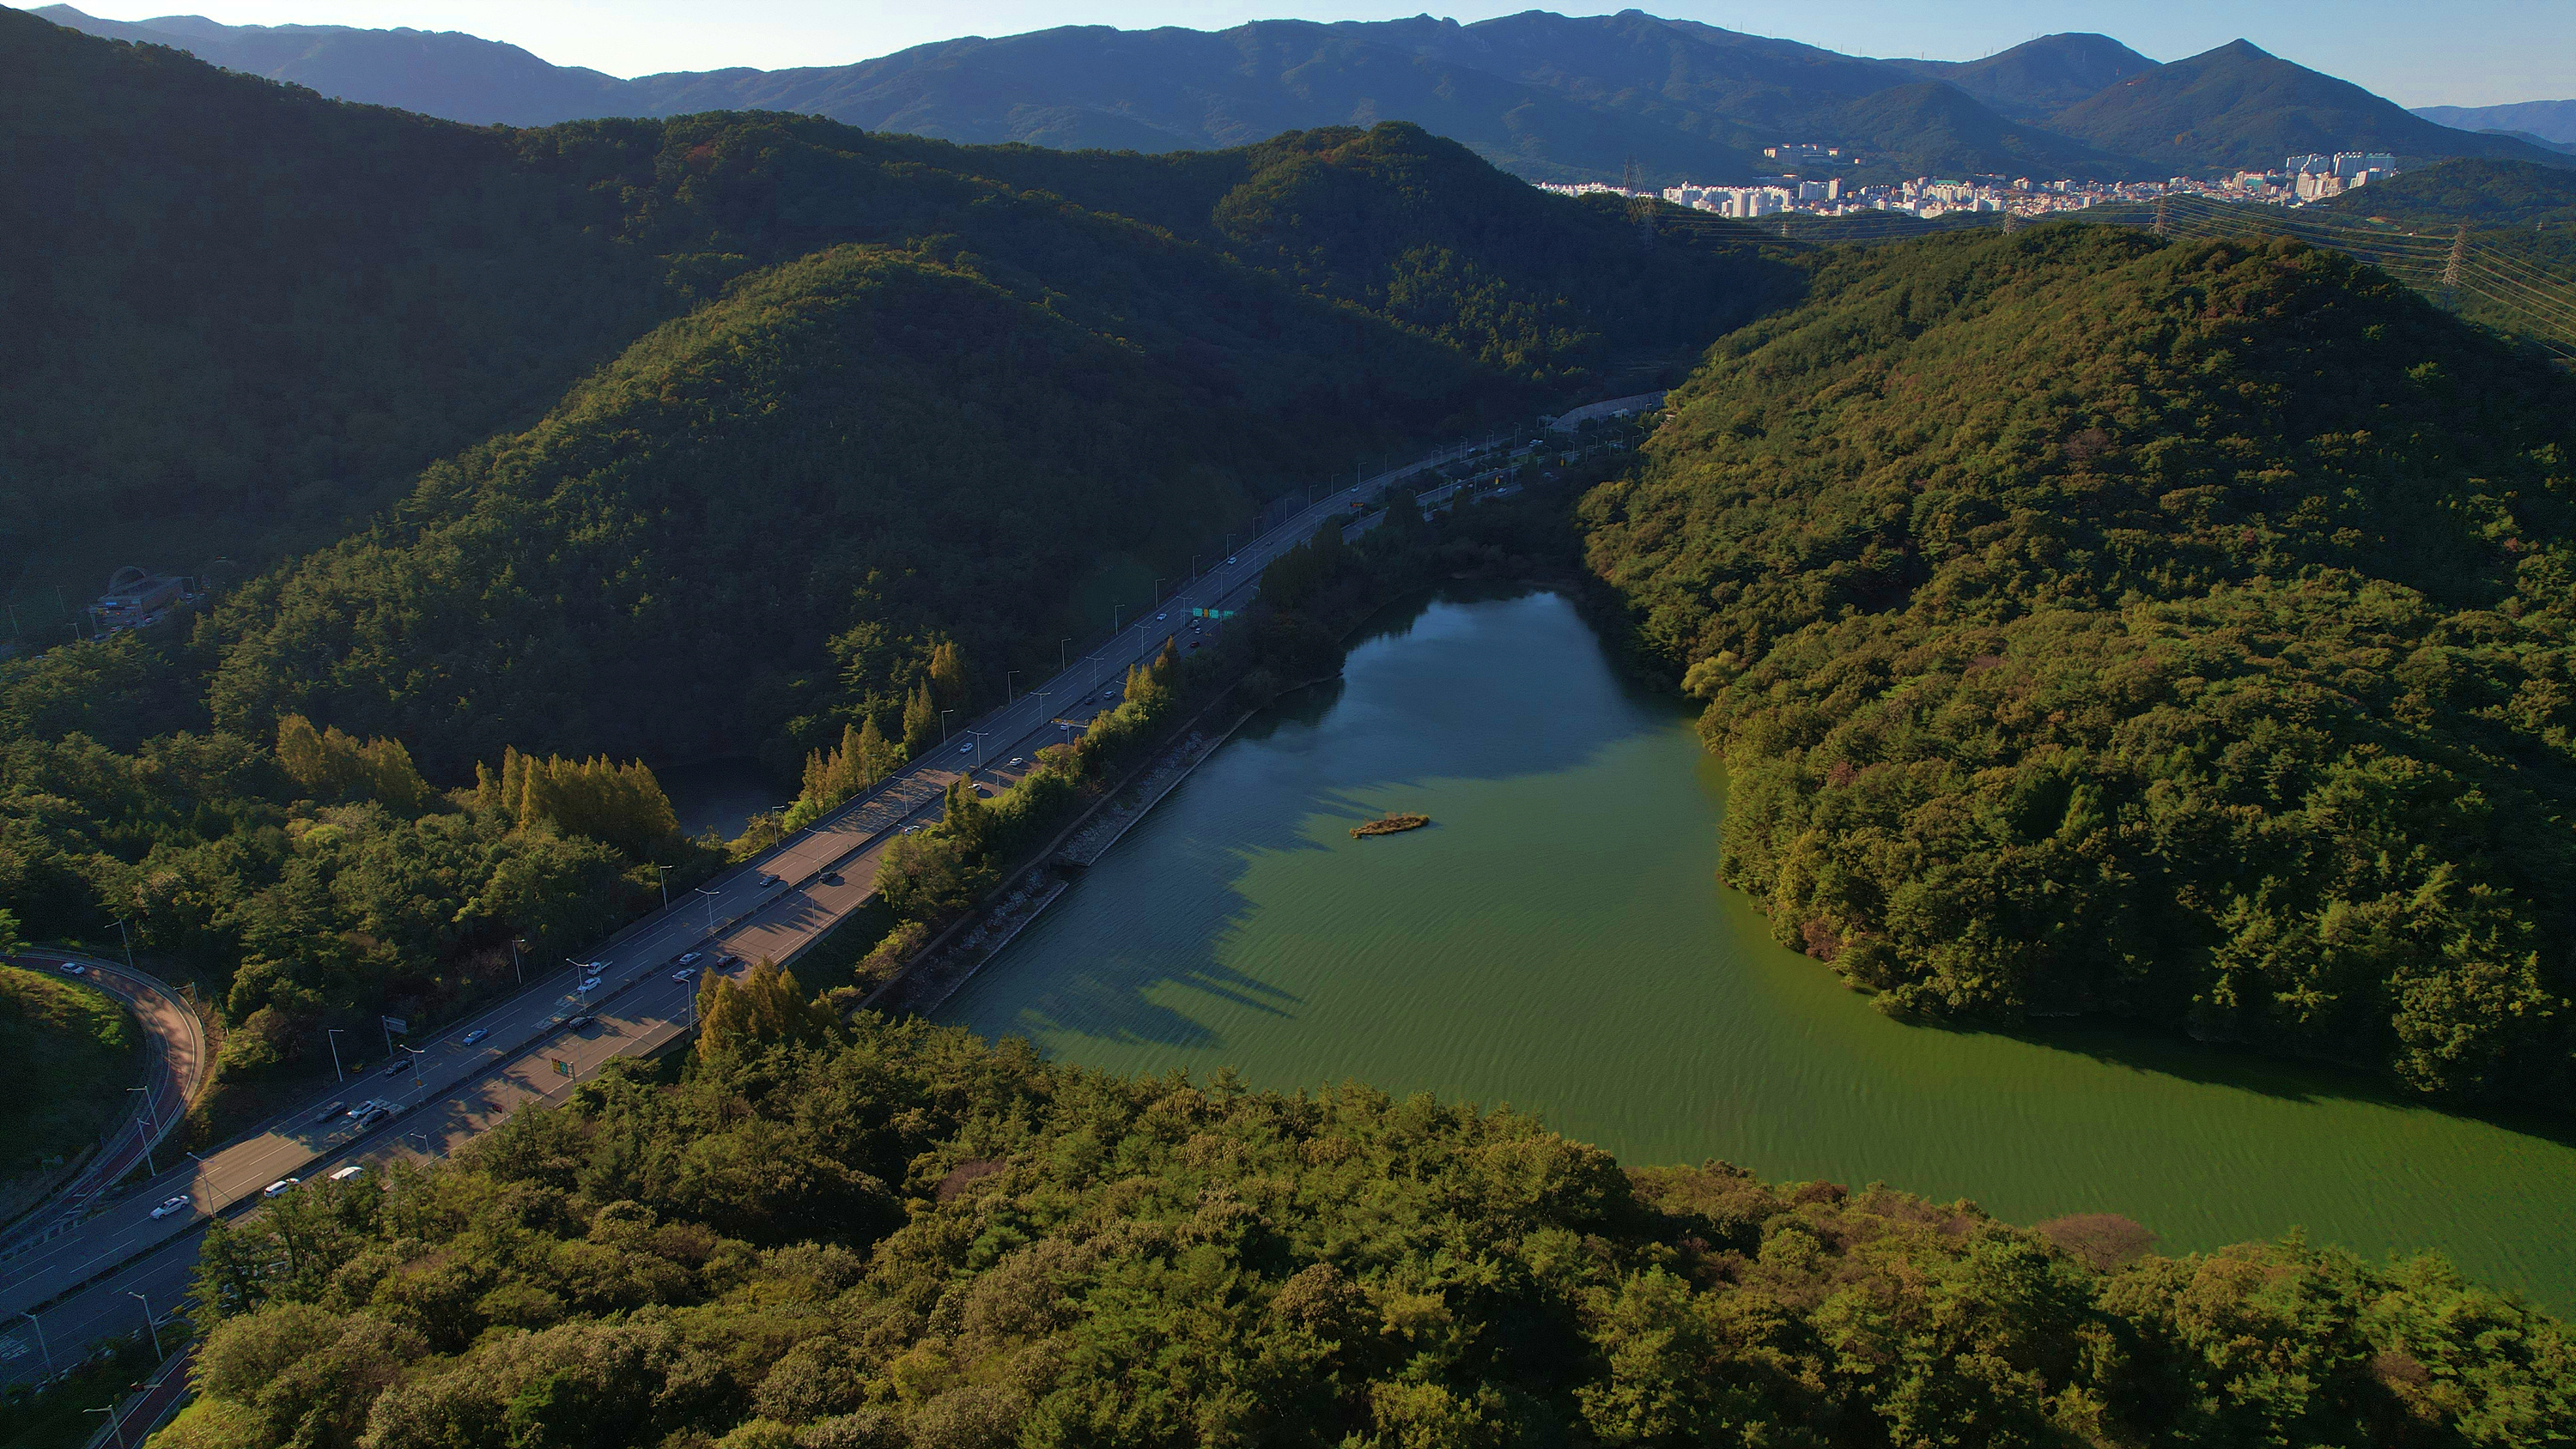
538,1044
175,1066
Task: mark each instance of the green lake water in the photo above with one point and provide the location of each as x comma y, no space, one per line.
1557,940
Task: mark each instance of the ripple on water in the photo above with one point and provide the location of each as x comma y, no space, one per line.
1556,940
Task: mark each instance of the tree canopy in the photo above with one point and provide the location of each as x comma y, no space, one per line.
893,1236
2172,631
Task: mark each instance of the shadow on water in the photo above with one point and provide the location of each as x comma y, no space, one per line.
1442,731
2162,1052
1561,943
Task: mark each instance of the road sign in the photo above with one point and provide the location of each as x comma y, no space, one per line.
396,1024
562,1068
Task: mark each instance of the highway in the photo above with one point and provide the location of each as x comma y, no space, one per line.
175,1064
476,1072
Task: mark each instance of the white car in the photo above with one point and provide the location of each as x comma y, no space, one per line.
967,748
177,1204
684,973
687,958
74,968
1158,618
1016,762
281,1185
589,983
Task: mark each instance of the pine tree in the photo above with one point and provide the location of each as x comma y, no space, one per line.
920,722
963,816
333,765
299,750
766,1008
873,764
948,674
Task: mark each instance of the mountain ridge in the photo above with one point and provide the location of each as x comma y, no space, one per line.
1549,97
2551,121
2241,105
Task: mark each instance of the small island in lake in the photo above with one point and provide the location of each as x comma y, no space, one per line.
1390,825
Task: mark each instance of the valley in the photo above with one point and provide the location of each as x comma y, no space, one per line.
1936,818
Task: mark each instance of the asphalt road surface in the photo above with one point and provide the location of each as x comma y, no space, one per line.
175,1063
539,1043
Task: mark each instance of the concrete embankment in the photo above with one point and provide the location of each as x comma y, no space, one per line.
955,955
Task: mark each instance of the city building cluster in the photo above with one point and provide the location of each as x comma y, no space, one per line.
2300,180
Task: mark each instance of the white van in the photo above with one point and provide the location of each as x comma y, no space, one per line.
352,1170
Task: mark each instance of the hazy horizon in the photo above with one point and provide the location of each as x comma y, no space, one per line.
2473,53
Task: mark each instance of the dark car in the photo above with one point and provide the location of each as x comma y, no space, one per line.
578,1022
329,1112
395,1067
767,880
477,1034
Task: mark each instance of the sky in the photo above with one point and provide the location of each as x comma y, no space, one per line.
2415,52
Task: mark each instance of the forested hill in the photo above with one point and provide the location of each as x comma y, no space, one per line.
2174,631
657,438
886,1237
964,426
2515,196
242,312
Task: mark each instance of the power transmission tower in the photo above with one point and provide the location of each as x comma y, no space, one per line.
2459,254
1641,208
2164,215
2012,222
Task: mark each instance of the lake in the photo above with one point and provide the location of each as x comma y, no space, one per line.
1557,940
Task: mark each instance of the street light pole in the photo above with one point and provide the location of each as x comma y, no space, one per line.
711,908
1007,676
515,963
40,1343
333,1033
151,1129
943,724
1061,665
662,873
110,1412
129,945
155,1328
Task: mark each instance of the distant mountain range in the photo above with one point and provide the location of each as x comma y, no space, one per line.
2552,123
1547,96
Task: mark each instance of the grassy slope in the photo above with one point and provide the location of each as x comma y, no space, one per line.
67,1054
2179,632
